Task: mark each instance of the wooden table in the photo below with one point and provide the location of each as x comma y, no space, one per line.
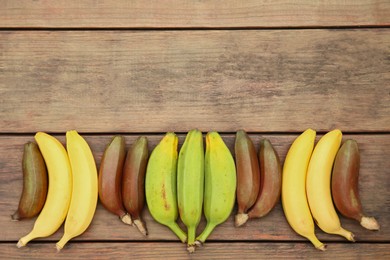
273,68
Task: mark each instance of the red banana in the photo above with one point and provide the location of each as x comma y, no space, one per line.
345,185
110,178
248,175
270,179
34,183
133,186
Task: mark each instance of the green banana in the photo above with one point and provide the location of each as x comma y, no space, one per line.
160,184
220,184
190,183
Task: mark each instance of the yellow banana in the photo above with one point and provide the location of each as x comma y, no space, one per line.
220,184
294,201
318,185
160,184
59,192
85,188
190,183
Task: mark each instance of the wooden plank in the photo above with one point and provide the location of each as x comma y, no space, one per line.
187,14
210,251
374,183
263,81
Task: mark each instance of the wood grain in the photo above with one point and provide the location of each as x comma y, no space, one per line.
374,183
158,81
187,14
155,250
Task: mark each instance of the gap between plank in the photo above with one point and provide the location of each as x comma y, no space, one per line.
247,28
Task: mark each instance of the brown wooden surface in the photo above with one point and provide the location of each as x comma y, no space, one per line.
237,250
187,14
273,68
120,81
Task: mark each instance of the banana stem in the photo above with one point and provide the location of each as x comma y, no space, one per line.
345,233
178,232
141,227
24,240
191,235
317,243
126,219
60,244
241,219
206,232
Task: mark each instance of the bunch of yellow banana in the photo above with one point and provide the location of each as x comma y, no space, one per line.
294,200
72,191
306,186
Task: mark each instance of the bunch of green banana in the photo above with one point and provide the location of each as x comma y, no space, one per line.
59,192
161,184
318,184
84,194
110,178
294,200
345,180
34,183
220,184
190,184
133,181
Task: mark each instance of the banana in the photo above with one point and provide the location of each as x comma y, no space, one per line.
85,188
220,184
294,201
190,184
248,175
110,178
270,179
59,192
133,181
160,184
318,185
34,183
345,185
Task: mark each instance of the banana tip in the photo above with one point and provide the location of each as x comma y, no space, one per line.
191,249
58,247
20,244
369,223
322,247
141,227
126,219
240,219
198,243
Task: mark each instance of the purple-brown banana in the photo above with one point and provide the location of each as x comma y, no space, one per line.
35,183
270,179
270,182
248,175
110,178
345,185
133,181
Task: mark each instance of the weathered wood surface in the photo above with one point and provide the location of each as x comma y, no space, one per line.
374,183
158,81
187,14
238,250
